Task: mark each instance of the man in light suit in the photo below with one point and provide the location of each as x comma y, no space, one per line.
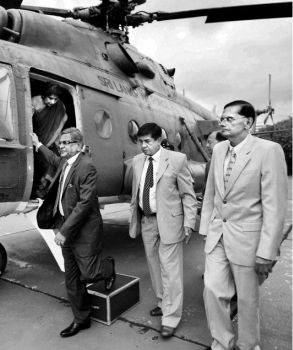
71,208
163,210
242,215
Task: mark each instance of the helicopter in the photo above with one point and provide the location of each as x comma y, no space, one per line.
108,87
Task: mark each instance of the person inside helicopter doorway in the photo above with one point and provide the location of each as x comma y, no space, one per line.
49,117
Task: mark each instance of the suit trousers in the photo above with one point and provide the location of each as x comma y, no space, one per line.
165,263
221,277
79,271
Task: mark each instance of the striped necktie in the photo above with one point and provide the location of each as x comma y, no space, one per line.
148,183
61,178
230,166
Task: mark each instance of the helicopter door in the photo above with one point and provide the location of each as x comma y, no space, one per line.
13,155
101,128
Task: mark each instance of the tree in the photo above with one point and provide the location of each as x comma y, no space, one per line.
280,132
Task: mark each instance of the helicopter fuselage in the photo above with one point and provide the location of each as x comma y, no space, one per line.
110,89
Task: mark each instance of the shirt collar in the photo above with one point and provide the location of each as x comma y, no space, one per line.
72,159
238,147
156,156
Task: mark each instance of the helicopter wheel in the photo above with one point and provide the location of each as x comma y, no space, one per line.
3,259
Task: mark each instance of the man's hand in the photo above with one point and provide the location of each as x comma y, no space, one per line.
59,239
263,267
187,232
35,139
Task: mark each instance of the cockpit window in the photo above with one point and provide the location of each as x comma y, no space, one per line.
6,116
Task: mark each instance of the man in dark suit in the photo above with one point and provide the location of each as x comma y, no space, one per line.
71,208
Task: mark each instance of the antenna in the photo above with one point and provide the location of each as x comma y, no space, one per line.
270,110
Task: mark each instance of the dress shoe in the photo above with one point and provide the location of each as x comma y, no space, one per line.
74,328
109,282
167,332
157,311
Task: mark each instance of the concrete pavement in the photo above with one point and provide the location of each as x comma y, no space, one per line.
33,306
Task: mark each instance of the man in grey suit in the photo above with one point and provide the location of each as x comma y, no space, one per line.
163,210
71,208
242,215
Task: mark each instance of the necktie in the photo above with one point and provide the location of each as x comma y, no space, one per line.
149,182
59,188
230,165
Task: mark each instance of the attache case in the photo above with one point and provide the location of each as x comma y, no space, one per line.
107,306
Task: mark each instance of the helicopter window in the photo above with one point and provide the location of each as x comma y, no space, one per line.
164,134
179,141
163,68
6,124
133,130
103,124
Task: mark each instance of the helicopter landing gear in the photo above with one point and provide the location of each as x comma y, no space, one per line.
3,259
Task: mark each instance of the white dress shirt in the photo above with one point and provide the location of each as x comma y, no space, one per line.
70,161
153,190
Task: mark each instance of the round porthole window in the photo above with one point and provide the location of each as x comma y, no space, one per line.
179,141
164,134
103,124
133,130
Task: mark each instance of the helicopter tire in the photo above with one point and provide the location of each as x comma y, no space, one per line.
3,259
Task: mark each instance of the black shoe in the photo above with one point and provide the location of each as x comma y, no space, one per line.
167,332
74,328
109,282
157,311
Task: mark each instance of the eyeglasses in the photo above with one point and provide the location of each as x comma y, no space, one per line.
229,120
66,142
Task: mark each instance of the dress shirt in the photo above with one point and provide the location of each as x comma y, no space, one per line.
237,149
153,190
70,161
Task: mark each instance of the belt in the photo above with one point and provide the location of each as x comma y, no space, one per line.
147,215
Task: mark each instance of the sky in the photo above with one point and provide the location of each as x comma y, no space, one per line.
216,63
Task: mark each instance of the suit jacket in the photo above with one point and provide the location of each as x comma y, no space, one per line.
175,198
250,213
83,224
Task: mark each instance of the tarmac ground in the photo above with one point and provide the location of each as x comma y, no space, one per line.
33,305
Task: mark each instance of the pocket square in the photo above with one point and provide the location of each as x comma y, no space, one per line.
70,185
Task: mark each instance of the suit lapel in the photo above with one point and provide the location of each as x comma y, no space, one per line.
70,173
139,167
241,161
58,171
219,174
163,164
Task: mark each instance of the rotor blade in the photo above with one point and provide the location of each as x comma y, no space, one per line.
47,10
233,13
11,4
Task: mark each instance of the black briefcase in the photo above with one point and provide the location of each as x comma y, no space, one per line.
108,306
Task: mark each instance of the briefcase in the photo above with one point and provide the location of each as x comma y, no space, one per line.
107,306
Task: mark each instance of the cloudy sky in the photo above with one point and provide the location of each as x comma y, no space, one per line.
216,63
